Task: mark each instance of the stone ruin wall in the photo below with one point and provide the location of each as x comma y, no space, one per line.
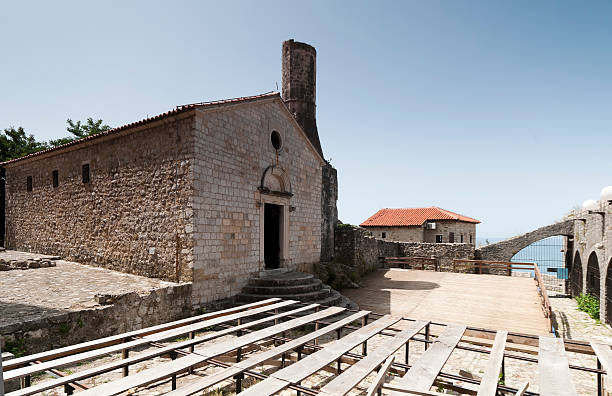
354,247
115,315
329,211
134,214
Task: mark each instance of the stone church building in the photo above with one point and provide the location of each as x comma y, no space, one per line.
209,193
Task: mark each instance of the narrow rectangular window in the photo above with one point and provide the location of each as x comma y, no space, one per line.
471,239
86,173
438,238
461,238
384,234
55,178
451,237
29,183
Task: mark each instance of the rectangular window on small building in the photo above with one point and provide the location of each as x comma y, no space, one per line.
29,183
451,237
461,238
85,173
384,235
55,178
438,238
471,239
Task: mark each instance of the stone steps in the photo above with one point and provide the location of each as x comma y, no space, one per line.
309,286
292,286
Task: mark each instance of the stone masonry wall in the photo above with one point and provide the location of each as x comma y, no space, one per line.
405,234
329,211
119,314
593,238
354,247
133,216
232,151
444,228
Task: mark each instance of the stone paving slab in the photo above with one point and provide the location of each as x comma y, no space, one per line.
37,293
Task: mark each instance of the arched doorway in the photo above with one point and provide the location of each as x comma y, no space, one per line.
592,283
609,293
576,276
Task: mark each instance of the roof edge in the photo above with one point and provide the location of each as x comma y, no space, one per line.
114,131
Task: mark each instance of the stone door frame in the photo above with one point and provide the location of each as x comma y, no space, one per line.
283,201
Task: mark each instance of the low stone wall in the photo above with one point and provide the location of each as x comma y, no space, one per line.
116,314
445,252
353,247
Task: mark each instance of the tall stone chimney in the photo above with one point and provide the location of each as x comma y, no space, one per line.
299,86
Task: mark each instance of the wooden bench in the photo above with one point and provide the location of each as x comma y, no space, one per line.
555,378
149,354
490,380
424,372
342,384
169,369
116,339
260,358
316,361
72,359
414,262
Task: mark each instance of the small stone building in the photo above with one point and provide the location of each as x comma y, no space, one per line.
210,193
431,225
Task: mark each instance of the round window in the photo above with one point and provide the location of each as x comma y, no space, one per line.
276,140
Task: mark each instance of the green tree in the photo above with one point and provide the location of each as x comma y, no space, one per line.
80,130
15,143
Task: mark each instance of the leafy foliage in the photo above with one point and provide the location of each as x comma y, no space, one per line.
16,346
79,130
589,304
15,143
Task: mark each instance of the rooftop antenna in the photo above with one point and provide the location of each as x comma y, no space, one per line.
277,85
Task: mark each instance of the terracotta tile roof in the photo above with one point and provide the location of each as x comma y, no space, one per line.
412,217
177,110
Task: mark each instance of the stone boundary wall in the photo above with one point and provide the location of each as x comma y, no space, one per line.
117,314
355,248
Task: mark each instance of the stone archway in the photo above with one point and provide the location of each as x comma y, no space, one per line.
505,250
576,276
609,293
592,278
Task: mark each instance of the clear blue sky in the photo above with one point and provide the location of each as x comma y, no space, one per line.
497,110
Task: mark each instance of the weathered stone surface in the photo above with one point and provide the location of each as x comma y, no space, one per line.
136,199
329,211
504,250
56,306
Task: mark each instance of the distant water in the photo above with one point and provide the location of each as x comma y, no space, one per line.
548,254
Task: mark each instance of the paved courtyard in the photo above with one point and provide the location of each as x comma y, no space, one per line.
32,294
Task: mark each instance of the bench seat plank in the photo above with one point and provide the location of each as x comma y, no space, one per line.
424,372
85,346
380,376
168,369
260,358
555,379
72,359
342,384
490,379
316,361
604,354
149,355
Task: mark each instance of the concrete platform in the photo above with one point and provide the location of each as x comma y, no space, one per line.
488,301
